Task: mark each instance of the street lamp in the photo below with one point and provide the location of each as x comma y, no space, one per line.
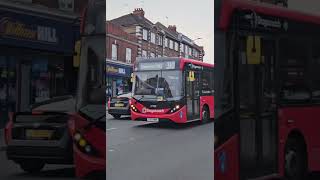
197,39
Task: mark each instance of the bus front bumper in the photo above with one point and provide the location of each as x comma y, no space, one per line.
86,165
177,117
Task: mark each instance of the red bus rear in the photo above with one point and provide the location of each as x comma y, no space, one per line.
88,125
172,89
266,91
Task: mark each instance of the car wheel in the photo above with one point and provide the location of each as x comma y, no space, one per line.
116,116
205,114
32,166
295,160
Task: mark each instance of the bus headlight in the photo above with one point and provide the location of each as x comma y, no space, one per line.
83,145
175,108
133,107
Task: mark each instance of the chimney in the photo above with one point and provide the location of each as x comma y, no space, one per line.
138,12
172,28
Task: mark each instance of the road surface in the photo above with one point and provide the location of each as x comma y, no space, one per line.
144,151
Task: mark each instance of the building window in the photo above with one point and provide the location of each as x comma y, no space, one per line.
160,39
144,53
166,42
182,48
196,54
128,55
138,30
171,44
176,46
114,55
152,55
153,38
145,34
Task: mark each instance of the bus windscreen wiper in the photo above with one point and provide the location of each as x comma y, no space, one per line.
138,100
94,122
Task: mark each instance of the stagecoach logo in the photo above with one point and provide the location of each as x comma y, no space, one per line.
10,28
256,20
222,162
146,110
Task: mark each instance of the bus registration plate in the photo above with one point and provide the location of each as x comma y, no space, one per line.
153,119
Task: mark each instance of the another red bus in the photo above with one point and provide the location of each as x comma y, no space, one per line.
267,100
172,89
88,126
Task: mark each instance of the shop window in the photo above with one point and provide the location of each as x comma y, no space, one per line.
152,55
128,55
114,52
7,83
40,80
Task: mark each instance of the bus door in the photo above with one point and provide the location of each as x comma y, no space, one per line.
257,110
193,94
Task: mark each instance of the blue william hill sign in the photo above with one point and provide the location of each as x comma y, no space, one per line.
118,70
36,32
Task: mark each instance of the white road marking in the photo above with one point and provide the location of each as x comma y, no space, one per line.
110,129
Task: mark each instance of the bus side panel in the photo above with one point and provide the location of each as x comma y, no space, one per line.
305,121
226,160
209,100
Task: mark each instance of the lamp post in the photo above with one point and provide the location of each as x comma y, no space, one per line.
180,44
163,41
196,39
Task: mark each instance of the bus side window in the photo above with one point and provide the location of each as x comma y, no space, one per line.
207,82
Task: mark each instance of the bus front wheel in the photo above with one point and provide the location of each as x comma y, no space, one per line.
116,116
205,114
32,166
295,160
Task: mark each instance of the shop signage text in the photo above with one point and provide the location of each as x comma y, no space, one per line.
115,70
11,28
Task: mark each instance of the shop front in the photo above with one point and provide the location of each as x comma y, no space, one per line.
36,59
118,77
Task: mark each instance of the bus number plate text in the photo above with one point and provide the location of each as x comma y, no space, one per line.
153,119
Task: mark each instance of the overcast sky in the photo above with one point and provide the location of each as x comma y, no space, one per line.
192,18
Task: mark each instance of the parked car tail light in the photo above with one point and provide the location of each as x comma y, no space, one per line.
109,102
8,128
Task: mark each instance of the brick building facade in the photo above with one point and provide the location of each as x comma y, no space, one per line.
121,46
157,40
121,53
